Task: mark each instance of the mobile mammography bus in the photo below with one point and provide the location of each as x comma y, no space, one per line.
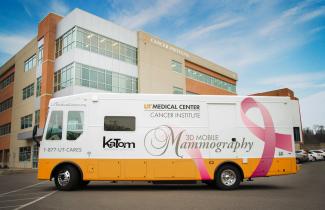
219,140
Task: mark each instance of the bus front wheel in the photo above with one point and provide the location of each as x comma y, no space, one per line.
227,177
84,183
66,178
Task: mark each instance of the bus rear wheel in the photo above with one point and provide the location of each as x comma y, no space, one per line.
66,178
227,177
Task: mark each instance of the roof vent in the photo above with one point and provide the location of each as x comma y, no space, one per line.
94,98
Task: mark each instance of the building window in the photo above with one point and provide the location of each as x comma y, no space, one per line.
5,129
4,83
93,42
24,153
38,86
75,124
102,79
26,121
40,55
116,49
65,43
54,129
37,117
7,104
177,90
128,53
177,66
87,76
119,123
63,78
196,75
35,156
90,41
30,63
28,91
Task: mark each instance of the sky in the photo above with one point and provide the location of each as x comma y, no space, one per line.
270,44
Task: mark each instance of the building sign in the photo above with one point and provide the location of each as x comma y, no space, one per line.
169,47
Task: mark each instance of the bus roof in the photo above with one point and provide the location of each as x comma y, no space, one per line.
168,97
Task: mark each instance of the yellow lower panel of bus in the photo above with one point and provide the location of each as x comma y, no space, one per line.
160,169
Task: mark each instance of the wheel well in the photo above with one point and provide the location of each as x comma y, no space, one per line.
60,165
232,164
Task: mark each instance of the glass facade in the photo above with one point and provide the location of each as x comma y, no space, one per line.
28,91
196,75
63,78
4,83
88,76
30,63
177,90
26,121
65,43
90,41
105,80
7,104
177,66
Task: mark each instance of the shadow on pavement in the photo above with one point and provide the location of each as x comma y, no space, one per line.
159,187
262,187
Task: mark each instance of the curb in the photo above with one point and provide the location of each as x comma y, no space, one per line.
16,171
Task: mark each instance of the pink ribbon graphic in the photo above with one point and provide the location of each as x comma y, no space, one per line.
267,134
199,162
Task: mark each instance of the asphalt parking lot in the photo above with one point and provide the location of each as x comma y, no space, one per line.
305,190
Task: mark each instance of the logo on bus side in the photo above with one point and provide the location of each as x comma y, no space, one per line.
159,139
180,107
117,143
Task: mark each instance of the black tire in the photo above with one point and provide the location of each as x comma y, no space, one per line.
70,184
83,183
227,169
297,161
210,183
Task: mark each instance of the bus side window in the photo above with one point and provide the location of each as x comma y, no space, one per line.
119,123
75,124
296,134
54,129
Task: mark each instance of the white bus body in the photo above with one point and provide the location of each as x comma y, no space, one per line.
215,139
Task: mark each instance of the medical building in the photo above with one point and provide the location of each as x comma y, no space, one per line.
85,53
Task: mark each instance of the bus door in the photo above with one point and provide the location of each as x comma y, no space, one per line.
222,120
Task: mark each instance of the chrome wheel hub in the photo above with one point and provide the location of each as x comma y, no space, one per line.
64,178
228,177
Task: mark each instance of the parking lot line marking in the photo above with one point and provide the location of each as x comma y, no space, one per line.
20,199
20,194
21,188
5,207
34,201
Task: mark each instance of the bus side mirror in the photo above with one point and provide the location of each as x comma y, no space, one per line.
34,131
34,135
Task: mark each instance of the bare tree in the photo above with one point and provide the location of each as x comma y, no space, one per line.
307,131
315,135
